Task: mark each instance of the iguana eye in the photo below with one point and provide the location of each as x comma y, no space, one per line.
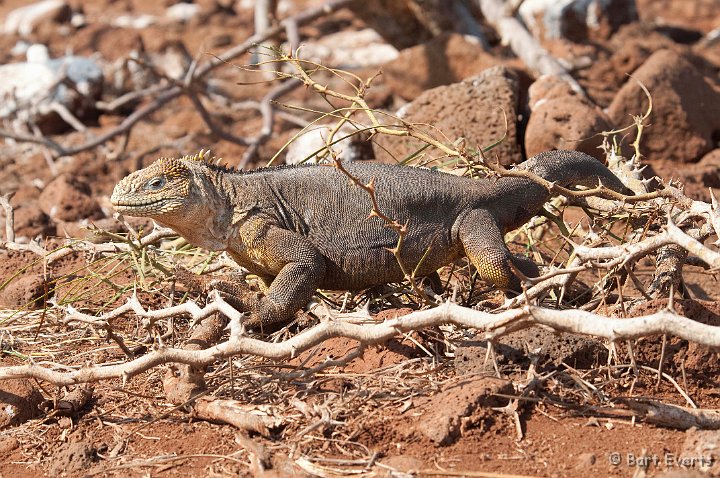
155,183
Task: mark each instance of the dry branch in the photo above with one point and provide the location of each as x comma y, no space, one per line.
74,245
240,415
623,254
491,325
673,416
268,113
512,32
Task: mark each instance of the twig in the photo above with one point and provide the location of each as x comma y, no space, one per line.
673,416
74,245
393,224
9,216
207,118
268,114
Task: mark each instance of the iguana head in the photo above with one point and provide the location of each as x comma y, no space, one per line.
159,191
183,194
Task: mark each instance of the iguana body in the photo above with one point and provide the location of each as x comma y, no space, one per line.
305,228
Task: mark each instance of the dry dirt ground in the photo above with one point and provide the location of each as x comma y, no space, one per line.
380,412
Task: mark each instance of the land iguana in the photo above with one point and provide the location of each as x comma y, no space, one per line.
303,228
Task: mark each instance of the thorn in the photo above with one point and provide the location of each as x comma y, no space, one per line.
670,221
713,200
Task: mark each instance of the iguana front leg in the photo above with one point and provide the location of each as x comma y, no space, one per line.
291,265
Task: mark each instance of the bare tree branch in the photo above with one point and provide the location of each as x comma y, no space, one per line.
522,42
490,325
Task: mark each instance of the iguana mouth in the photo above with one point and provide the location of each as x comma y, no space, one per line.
141,206
135,204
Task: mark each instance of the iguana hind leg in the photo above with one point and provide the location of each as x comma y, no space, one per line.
485,247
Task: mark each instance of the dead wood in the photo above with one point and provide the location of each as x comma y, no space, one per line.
673,416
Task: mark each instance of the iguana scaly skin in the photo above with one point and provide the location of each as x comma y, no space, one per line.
306,227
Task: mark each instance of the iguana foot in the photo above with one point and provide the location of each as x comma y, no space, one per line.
236,293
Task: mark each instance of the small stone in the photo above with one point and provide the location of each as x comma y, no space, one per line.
173,60
444,417
65,423
72,458
8,444
585,460
69,199
19,400
416,69
710,169
684,123
704,447
481,110
31,222
592,422
562,119
25,292
471,358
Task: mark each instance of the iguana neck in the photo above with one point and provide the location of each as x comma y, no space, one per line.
207,218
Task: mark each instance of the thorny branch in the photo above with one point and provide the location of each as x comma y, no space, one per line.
393,224
591,258
304,69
